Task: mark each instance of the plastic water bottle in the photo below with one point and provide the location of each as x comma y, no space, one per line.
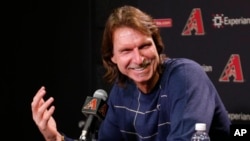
200,134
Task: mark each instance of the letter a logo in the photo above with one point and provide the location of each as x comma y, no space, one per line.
232,70
194,24
91,105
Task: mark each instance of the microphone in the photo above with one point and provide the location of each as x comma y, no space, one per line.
94,107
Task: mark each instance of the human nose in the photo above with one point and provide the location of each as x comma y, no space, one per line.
138,57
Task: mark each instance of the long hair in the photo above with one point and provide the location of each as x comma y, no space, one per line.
132,17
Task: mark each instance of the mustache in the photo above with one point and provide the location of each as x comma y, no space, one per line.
144,64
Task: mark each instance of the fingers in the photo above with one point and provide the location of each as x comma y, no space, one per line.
45,117
38,99
44,109
41,110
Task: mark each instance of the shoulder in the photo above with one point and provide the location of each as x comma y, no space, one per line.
182,64
180,61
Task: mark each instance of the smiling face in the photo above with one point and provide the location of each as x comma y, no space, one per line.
135,55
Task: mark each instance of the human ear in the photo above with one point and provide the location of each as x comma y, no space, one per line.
113,59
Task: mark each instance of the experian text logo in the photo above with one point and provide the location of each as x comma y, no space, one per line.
219,21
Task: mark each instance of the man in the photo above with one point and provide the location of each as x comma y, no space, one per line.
151,99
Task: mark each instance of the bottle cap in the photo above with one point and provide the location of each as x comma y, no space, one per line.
200,126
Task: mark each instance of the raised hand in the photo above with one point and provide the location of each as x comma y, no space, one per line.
42,112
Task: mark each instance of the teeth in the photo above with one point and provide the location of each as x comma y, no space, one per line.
141,67
138,69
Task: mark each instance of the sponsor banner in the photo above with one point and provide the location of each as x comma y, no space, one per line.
216,35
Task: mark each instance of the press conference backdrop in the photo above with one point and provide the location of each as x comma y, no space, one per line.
58,45
216,34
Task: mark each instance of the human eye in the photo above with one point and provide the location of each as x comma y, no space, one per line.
125,51
145,46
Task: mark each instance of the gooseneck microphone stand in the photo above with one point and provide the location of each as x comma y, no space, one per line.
91,132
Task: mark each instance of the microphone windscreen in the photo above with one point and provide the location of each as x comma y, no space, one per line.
100,93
